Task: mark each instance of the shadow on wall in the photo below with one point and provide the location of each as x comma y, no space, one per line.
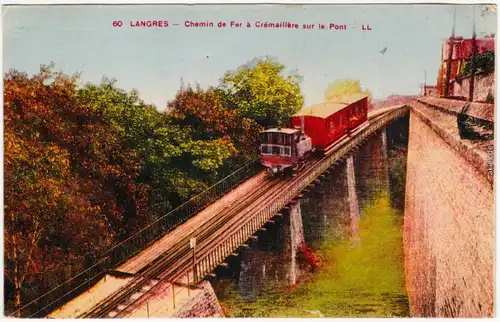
471,128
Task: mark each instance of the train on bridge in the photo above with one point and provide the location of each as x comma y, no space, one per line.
314,129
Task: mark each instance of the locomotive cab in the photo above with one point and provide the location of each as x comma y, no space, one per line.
282,149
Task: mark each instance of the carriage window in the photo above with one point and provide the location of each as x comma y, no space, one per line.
286,151
332,125
340,120
276,150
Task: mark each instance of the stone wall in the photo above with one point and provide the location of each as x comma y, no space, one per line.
203,305
448,229
484,85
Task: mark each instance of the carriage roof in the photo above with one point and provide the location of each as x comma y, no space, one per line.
330,107
281,130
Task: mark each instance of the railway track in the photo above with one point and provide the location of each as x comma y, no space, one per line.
177,260
173,258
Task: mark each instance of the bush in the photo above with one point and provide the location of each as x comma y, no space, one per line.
485,63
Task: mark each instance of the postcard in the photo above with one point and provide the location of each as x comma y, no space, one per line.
248,160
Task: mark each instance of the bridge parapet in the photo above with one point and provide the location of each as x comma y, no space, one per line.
444,117
483,111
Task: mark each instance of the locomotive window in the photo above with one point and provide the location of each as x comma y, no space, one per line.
286,151
265,149
275,138
276,150
267,138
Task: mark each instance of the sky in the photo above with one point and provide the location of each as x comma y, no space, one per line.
81,38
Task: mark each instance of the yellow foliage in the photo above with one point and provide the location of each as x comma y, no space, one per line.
345,87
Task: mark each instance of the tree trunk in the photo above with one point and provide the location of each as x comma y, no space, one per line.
16,277
17,297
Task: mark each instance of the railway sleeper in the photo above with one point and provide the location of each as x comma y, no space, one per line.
112,314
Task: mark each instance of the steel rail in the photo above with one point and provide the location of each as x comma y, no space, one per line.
181,246
178,267
172,254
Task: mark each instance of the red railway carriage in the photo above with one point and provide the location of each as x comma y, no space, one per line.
327,122
316,127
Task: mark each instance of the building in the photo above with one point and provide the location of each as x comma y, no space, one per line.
462,52
430,91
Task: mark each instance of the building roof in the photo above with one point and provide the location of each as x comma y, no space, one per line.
281,130
325,109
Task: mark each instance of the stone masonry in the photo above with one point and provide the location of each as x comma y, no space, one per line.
448,225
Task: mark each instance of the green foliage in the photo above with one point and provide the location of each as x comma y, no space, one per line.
176,162
484,63
260,92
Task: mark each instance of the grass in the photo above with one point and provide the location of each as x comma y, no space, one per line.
365,280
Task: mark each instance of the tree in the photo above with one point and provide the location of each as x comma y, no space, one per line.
261,92
44,197
344,87
206,114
